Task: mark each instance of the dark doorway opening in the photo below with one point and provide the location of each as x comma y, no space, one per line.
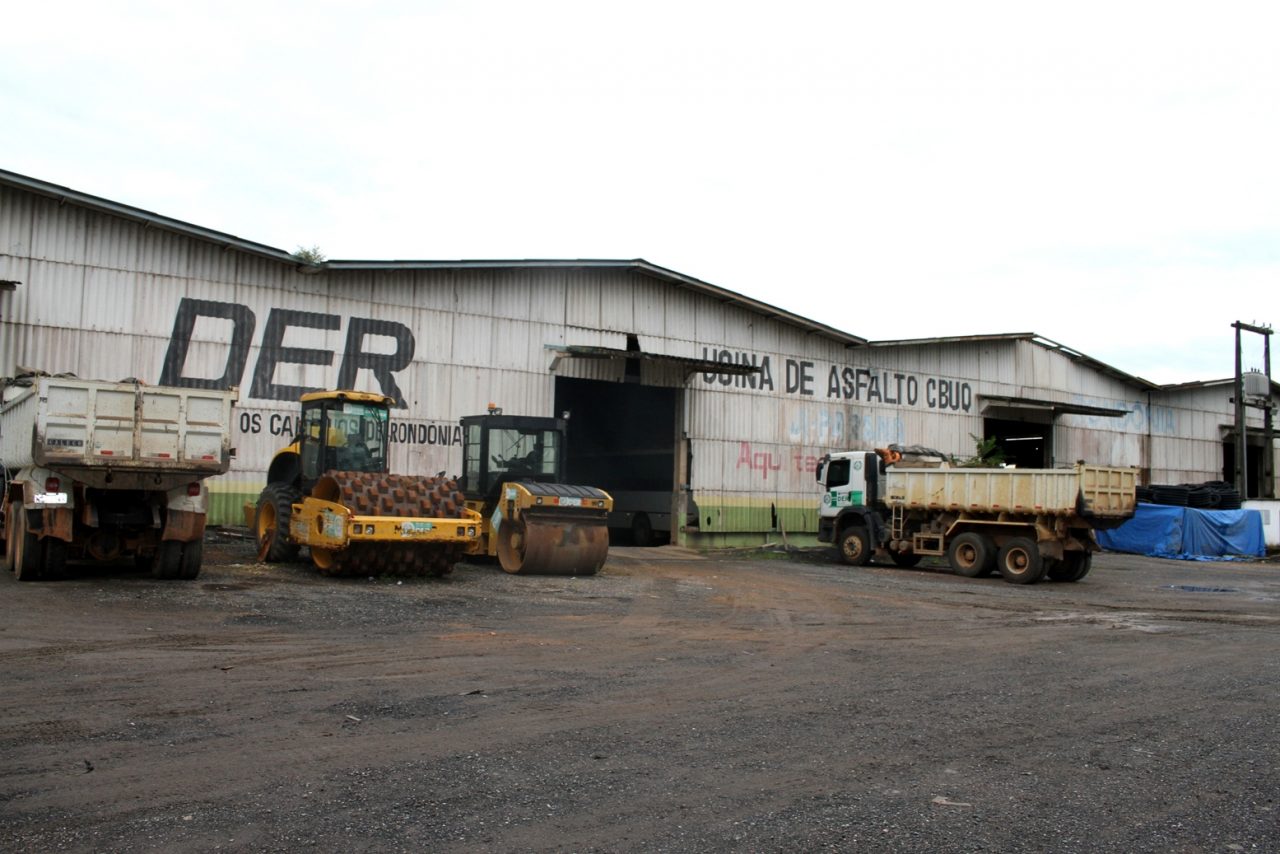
622,439
1026,444
1252,467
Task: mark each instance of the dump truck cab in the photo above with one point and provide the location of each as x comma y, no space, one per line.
851,483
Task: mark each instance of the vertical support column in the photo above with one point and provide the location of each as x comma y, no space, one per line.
1266,470
1268,447
680,501
1241,472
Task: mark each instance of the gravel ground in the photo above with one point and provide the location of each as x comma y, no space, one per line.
675,702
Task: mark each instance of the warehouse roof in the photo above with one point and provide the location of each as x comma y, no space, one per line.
640,266
1040,340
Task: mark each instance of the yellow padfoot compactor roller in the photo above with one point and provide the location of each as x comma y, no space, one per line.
512,467
330,491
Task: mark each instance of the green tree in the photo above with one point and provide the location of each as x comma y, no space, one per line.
311,256
987,454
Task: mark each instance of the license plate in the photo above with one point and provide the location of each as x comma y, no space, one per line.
570,502
51,498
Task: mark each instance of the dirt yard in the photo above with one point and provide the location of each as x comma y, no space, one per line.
672,703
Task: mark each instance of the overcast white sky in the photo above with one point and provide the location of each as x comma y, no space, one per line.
1104,174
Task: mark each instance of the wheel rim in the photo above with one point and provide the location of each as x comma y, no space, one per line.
266,522
967,555
852,547
1017,561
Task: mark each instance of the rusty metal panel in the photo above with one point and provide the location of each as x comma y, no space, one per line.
582,302
211,263
13,269
165,253
109,356
110,300
617,304
434,290
473,339
112,243
511,346
58,232
649,311
548,304
17,214
49,349
51,295
475,295
709,322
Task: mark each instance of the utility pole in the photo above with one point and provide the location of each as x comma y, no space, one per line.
1267,486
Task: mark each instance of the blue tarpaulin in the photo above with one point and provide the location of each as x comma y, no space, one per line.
1187,533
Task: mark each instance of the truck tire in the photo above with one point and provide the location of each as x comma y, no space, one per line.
27,557
54,557
168,560
1073,566
192,558
855,545
1020,562
271,522
906,560
972,555
9,541
641,530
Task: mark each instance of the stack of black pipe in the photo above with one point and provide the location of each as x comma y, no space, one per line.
1211,495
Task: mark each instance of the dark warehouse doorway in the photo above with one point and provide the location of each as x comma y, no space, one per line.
622,439
1026,444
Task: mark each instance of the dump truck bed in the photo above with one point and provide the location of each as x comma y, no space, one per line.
112,433
1084,490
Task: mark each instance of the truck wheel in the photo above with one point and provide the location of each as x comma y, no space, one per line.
855,546
972,555
1020,562
271,522
906,560
55,558
168,560
192,558
9,541
1073,566
26,546
641,530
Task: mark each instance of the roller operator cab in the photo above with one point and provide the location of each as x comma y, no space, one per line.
512,473
330,490
341,431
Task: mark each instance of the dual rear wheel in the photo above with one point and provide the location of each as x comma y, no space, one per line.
27,555
1018,560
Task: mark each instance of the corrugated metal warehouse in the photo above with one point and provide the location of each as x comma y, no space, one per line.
704,411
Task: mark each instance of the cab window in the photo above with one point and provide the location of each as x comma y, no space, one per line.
837,473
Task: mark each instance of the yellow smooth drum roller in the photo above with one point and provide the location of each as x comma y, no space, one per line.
553,529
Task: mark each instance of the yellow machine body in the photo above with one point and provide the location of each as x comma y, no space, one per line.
546,528
336,498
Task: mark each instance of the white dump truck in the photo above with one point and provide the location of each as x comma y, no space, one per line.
105,470
1025,523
